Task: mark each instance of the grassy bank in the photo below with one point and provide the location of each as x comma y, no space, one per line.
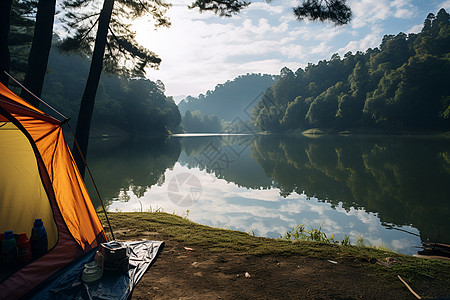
169,227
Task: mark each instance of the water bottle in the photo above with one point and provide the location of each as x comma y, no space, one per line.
9,249
39,243
23,248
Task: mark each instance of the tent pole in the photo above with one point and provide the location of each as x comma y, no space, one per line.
92,179
31,93
66,120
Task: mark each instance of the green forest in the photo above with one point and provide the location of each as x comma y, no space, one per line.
197,122
403,85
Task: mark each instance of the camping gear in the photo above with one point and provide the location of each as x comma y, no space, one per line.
39,242
69,285
115,256
99,259
39,179
23,248
9,249
92,272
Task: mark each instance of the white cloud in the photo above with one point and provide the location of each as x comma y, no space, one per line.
445,5
369,11
374,11
415,29
404,9
401,244
266,7
371,40
294,51
322,49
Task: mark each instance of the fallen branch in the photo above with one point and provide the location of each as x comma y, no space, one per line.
409,288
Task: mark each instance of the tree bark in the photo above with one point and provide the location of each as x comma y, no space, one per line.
40,50
88,100
5,19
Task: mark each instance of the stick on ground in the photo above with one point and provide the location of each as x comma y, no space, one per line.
409,288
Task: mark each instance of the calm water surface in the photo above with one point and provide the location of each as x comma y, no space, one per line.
393,191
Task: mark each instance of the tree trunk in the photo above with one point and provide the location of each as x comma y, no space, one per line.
5,13
88,100
40,50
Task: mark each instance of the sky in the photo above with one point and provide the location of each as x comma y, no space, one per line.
201,50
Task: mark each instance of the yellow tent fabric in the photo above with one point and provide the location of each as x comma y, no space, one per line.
20,184
39,179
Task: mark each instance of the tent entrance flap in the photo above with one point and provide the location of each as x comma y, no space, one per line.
22,194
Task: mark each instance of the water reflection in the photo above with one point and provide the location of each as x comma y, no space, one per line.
267,184
404,180
136,165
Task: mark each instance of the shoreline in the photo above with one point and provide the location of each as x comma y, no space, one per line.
429,277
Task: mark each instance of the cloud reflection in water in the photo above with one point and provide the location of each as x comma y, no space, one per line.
266,213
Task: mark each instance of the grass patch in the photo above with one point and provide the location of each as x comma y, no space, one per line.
313,131
176,228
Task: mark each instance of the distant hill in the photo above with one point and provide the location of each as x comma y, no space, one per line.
231,99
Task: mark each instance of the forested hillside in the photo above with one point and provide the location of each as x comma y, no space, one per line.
402,85
231,99
196,122
131,106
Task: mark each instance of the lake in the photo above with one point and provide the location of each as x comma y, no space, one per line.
393,191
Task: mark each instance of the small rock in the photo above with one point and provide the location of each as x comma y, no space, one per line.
247,275
391,260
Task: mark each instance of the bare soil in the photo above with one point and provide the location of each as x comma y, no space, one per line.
201,274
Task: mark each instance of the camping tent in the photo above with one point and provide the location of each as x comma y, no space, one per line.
39,179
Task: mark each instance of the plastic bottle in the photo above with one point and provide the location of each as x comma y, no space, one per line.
23,248
9,249
39,243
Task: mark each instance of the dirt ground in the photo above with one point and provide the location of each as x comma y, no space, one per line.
201,274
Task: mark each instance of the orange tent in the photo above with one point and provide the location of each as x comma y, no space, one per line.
39,179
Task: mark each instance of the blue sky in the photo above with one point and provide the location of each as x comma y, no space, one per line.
201,50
